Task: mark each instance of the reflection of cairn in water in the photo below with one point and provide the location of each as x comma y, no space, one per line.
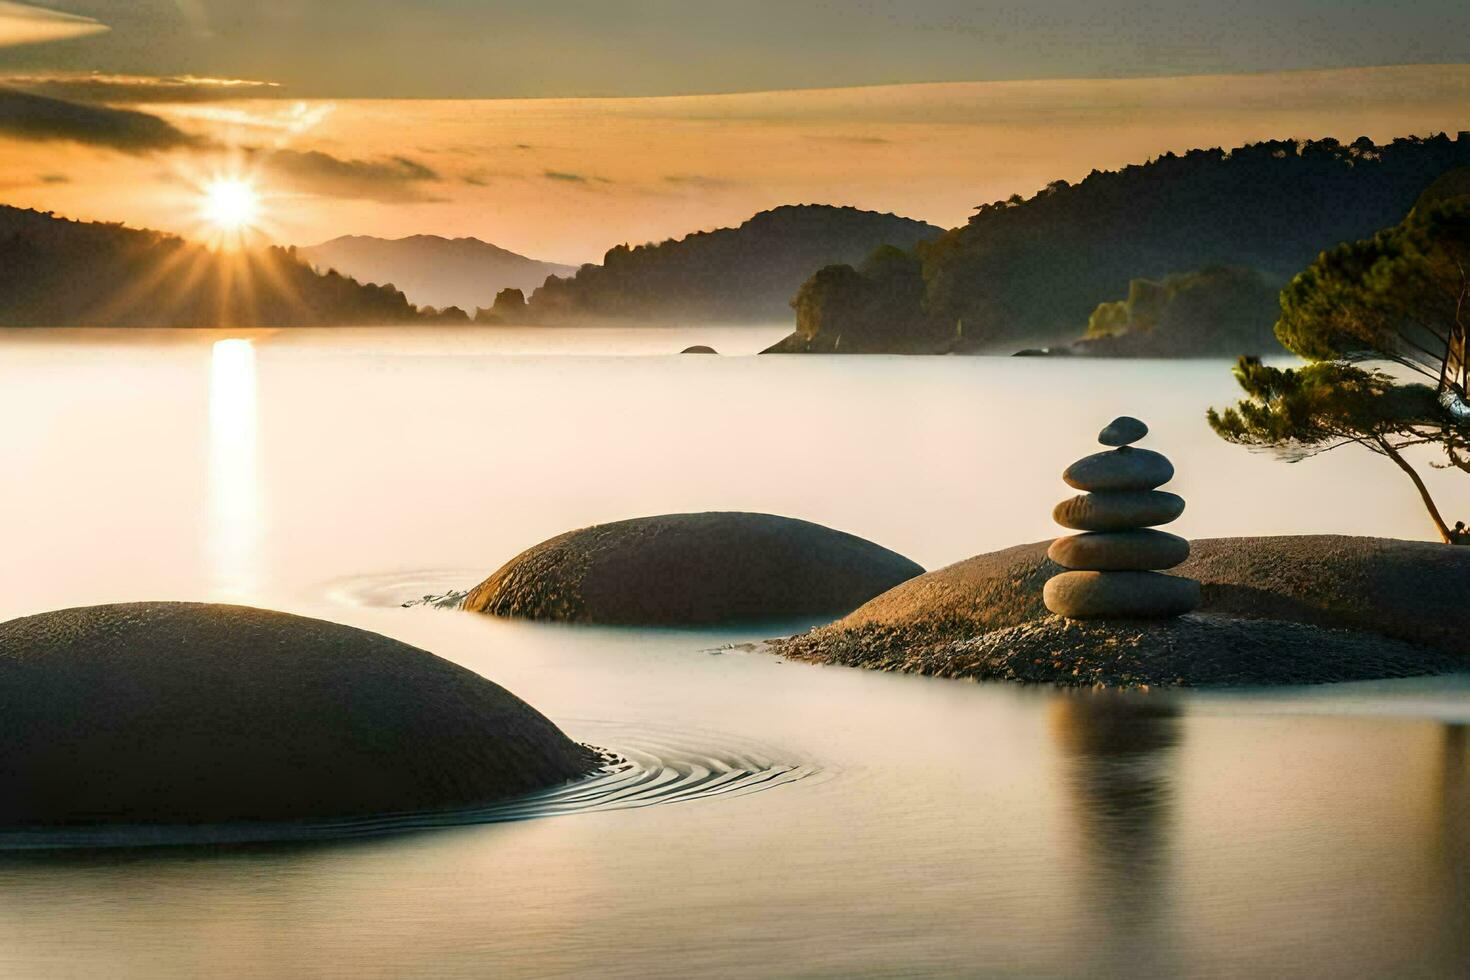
1453,844
1114,565
1118,748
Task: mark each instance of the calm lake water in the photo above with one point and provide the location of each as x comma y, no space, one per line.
877,825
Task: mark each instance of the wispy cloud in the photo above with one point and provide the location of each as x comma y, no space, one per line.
26,116
389,180
134,89
22,23
851,140
700,181
574,178
29,116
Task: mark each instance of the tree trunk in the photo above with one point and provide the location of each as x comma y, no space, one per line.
1445,534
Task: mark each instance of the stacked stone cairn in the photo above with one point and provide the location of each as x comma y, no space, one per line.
1114,565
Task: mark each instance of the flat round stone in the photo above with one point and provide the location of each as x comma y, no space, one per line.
1124,430
1120,469
1118,510
1114,551
1120,595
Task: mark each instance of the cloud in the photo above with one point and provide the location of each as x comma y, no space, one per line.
21,23
54,179
854,140
388,180
701,181
28,116
41,118
100,87
572,178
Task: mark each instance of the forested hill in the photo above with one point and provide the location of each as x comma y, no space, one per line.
1032,271
744,274
60,273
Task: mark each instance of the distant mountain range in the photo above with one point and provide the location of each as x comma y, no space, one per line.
1024,272
746,274
434,271
60,273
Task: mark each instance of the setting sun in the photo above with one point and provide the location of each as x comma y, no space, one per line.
231,204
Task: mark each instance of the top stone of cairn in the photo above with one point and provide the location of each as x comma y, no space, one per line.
1122,431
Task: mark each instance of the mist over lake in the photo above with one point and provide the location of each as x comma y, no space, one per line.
876,823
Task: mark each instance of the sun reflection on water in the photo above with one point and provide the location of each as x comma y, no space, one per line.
235,514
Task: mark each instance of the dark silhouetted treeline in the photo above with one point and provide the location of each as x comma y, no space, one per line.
744,274
60,273
1029,271
1222,311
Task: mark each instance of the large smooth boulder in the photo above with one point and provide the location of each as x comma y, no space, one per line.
691,569
1410,591
168,712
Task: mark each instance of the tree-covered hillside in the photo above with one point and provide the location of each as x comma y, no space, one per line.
55,272
744,274
1028,271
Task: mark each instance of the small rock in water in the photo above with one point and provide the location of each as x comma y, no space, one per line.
1120,469
1122,431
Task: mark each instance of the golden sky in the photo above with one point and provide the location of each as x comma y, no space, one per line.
564,179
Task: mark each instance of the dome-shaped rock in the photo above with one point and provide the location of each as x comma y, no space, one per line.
1122,431
1118,510
1120,469
1119,551
689,569
168,712
699,349
1122,595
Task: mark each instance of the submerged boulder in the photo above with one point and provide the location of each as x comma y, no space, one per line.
171,712
1410,592
690,569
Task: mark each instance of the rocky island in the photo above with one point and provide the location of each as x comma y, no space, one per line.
1093,609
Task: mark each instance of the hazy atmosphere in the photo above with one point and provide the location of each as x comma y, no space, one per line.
635,488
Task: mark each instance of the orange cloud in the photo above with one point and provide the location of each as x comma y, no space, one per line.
21,23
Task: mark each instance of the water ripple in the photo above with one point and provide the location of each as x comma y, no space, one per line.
644,767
